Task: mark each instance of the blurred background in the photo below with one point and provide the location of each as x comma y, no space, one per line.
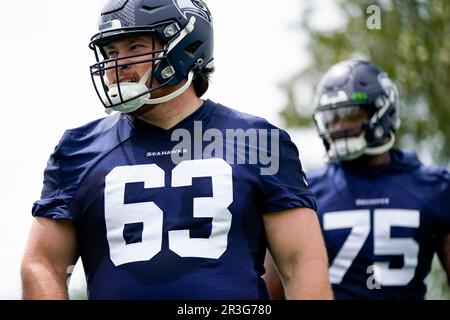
269,58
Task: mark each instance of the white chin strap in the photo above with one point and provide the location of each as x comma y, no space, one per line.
381,149
129,90
354,147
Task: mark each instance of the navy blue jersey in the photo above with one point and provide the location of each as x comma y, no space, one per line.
149,227
380,225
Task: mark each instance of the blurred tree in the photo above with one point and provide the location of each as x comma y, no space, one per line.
412,45
436,282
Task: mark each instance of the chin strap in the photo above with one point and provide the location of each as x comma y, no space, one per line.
135,104
354,147
172,95
381,149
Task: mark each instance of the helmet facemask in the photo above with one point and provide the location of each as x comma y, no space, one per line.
356,110
129,96
351,130
184,29
342,128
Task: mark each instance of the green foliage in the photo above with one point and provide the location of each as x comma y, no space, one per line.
436,281
412,46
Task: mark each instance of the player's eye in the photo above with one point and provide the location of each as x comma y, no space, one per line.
113,53
137,46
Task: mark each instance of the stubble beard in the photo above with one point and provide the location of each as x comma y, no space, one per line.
149,111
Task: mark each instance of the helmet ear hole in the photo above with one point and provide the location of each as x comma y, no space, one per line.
391,113
148,8
193,47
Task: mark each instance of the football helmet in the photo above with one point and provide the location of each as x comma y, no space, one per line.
183,27
356,110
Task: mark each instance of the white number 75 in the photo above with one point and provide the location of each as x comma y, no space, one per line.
384,219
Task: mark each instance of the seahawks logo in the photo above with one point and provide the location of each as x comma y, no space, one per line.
197,7
200,4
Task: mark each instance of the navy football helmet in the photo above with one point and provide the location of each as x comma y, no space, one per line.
183,27
361,96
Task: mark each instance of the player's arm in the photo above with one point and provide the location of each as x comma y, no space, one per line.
298,250
444,254
50,250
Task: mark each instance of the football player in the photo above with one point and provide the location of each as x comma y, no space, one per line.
383,213
147,226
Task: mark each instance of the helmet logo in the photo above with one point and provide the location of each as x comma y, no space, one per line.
200,4
114,5
197,7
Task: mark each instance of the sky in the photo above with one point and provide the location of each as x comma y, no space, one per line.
46,88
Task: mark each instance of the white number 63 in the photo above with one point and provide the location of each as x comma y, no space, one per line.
118,214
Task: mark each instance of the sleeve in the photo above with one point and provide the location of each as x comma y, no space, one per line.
285,186
442,204
56,194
